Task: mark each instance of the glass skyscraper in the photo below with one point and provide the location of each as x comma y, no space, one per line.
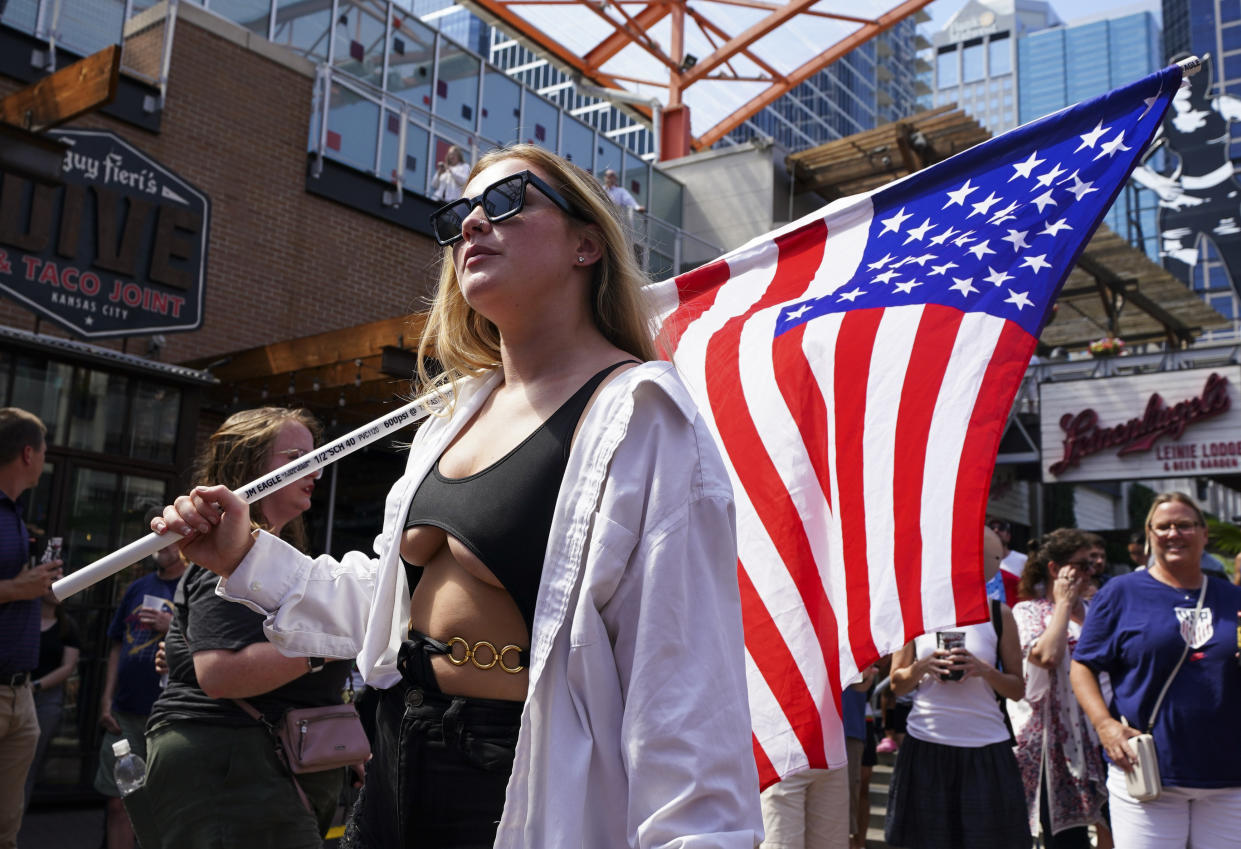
975,58
1063,65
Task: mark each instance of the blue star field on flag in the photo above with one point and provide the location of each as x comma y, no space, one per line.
998,227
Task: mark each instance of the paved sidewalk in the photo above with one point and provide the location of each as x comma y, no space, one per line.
80,826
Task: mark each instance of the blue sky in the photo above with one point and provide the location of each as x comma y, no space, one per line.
1068,10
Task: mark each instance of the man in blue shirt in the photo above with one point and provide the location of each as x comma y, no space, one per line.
22,446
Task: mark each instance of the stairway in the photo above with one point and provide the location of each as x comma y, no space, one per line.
880,778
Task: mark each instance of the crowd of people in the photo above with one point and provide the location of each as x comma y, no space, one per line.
549,623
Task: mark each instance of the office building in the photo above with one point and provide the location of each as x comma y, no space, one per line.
1063,65
975,58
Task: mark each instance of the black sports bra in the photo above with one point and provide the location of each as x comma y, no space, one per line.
503,514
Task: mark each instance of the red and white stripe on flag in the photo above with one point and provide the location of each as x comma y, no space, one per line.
860,425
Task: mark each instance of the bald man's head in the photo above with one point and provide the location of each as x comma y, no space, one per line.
992,553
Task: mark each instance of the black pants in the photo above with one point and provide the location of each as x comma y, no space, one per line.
1077,837
440,767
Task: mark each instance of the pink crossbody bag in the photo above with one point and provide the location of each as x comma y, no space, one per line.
315,739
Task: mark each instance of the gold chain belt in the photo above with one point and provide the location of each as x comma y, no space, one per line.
497,656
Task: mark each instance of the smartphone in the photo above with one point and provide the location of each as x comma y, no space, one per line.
949,640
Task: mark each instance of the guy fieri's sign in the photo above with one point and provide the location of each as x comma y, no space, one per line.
118,249
1084,433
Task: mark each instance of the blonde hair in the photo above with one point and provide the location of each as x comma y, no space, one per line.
1169,498
239,450
465,343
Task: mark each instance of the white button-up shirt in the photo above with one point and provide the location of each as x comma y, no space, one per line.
636,730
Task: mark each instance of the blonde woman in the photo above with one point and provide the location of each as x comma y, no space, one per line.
552,613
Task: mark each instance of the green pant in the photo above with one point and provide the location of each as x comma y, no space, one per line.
221,787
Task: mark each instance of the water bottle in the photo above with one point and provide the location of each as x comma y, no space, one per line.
130,771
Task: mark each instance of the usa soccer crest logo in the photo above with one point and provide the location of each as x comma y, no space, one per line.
1197,626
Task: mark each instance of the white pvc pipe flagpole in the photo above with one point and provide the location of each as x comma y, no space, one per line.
251,492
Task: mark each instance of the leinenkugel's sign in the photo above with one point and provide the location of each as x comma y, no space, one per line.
118,249
1169,424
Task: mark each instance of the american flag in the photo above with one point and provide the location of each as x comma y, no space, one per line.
857,368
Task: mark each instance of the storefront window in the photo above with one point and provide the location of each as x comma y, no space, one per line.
97,411
153,426
42,388
92,502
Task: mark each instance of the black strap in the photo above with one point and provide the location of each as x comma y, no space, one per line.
253,713
997,622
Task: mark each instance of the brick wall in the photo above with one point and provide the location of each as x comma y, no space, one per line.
282,263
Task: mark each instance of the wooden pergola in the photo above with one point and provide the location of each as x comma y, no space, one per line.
1115,289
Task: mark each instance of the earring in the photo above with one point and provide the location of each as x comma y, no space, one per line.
581,259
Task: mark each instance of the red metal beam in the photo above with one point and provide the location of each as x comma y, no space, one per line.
809,69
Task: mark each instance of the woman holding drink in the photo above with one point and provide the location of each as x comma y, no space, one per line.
956,784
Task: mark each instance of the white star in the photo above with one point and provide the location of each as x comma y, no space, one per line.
1093,136
1080,189
938,270
1005,214
1110,148
964,239
793,315
1018,238
89,320
944,236
851,296
1025,168
905,260
922,260
981,249
995,278
962,285
916,233
984,206
1054,227
886,277
907,286
958,197
880,263
1044,200
1035,263
1019,300
1050,177
893,224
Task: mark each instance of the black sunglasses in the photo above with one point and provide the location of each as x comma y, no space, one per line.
502,199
